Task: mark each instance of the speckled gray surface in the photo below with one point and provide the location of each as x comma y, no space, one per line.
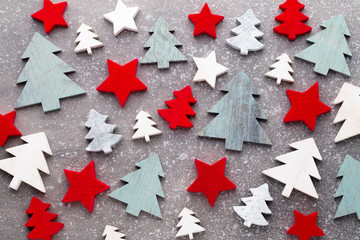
177,149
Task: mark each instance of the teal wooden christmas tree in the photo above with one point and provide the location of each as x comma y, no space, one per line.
329,47
162,46
238,112
45,77
349,188
142,188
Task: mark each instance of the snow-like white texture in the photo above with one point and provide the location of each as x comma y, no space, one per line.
281,69
87,39
188,224
144,126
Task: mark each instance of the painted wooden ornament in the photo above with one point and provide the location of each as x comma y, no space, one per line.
87,39
188,224
305,106
142,187
292,20
7,128
211,180
349,188
349,112
145,127
41,221
237,114
179,109
208,69
255,206
246,34
205,22
51,15
122,18
122,81
298,169
28,160
281,69
112,233
45,78
84,186
162,46
101,133
305,226
329,48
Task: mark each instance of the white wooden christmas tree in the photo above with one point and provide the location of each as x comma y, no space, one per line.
87,39
255,206
281,69
299,166
112,233
28,160
188,224
349,112
101,133
145,127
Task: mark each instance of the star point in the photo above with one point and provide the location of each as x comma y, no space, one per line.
7,128
305,226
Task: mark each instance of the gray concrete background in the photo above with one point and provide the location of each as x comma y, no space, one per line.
177,149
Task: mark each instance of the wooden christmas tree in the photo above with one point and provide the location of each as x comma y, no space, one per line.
292,20
112,233
87,39
255,206
162,46
299,166
41,220
237,114
28,160
142,188
349,188
145,127
281,69
349,112
329,47
45,76
246,34
188,224
100,133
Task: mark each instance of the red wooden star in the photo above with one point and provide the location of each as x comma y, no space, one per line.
211,180
122,80
305,226
84,186
306,106
7,127
51,15
205,22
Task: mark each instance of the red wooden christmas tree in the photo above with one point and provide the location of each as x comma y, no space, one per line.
179,109
41,221
292,20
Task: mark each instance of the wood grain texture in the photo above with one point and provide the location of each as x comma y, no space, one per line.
87,39
237,114
145,127
188,224
329,47
281,69
112,233
45,76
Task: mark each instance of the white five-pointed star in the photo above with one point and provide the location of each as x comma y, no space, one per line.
208,69
122,18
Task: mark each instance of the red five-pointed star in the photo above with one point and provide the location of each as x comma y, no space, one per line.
205,21
305,226
51,15
7,127
211,180
84,186
122,80
306,106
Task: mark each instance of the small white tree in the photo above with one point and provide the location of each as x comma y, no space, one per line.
144,126
255,206
87,39
112,233
188,224
100,133
281,69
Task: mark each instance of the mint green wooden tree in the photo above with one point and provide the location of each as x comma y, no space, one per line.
329,47
45,77
142,188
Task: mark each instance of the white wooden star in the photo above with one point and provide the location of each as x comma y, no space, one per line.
208,69
122,18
